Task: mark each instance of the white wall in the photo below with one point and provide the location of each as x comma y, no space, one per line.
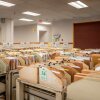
30,33
88,19
47,36
65,27
43,36
26,33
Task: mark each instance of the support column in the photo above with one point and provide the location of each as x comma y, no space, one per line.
7,31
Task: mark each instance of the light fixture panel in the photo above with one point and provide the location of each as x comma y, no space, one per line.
78,4
46,23
25,19
6,4
31,13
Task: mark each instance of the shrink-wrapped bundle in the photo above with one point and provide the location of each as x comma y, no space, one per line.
38,57
81,64
2,55
21,61
53,78
3,66
27,59
68,76
54,54
31,59
29,74
41,56
48,77
76,67
97,67
95,59
70,70
13,53
27,51
11,63
65,58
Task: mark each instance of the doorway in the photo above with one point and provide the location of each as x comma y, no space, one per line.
43,36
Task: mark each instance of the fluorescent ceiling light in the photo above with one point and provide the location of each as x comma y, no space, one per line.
6,4
78,4
25,19
31,13
46,23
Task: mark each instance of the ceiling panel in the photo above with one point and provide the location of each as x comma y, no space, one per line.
50,10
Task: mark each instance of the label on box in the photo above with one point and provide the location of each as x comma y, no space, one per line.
43,74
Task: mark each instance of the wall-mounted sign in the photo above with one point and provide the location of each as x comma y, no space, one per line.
57,37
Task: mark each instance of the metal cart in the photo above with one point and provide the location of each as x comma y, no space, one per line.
11,84
3,85
38,91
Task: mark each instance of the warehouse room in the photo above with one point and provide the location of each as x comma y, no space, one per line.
49,49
